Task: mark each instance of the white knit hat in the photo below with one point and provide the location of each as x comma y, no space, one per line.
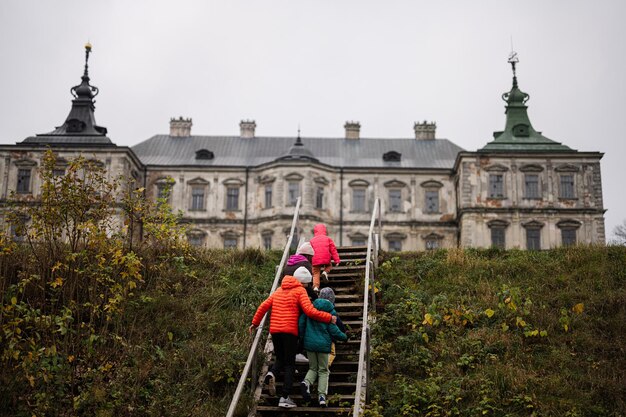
306,249
303,275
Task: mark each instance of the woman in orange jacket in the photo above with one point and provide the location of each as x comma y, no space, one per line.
287,302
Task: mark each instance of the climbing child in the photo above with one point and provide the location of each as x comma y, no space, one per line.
325,251
302,257
328,294
318,338
286,303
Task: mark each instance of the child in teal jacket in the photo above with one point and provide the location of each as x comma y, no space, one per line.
318,338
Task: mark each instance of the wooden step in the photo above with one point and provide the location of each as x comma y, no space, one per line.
267,410
343,290
352,305
350,296
333,386
355,273
298,397
338,376
344,268
353,254
342,249
341,282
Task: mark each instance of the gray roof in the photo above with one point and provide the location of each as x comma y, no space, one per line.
67,140
337,152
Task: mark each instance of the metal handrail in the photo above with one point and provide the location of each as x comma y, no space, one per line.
363,374
257,338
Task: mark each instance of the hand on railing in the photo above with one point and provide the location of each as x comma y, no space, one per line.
251,329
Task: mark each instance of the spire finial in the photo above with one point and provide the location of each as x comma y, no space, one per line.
513,59
87,52
85,90
298,140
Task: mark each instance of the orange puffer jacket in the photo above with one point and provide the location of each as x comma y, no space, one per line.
287,302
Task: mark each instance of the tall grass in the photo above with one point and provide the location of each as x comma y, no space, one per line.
181,343
503,333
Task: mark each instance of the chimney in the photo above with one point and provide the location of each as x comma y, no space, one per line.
425,130
353,130
180,127
247,128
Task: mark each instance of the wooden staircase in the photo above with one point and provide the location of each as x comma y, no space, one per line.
347,282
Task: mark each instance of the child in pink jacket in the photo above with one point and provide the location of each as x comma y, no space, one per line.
325,250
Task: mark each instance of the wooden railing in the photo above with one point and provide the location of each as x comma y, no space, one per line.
252,356
371,262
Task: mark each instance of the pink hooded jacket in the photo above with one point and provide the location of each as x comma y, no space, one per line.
323,246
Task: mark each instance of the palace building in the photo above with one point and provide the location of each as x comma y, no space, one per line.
521,190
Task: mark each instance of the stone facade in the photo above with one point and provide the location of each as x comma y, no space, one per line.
533,197
522,190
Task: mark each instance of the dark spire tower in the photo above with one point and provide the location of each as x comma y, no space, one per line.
80,126
298,151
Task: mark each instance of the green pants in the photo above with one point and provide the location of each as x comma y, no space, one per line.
318,367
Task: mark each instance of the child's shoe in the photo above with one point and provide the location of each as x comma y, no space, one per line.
300,358
322,400
286,403
325,276
305,391
270,383
316,290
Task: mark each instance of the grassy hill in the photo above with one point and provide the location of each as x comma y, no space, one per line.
457,333
489,332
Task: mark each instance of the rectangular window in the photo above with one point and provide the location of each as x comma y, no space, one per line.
432,201
531,183
497,237
197,198
568,237
163,193
567,186
432,244
395,200
358,199
319,198
267,242
230,243
496,186
358,242
58,172
23,180
268,196
294,193
395,245
18,229
232,198
533,239
195,240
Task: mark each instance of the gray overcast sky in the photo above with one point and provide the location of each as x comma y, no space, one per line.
318,63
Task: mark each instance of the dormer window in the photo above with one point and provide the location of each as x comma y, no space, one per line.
204,154
392,156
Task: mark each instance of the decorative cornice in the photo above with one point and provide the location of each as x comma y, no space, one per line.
431,184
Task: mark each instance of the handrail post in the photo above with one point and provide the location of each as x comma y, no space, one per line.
257,337
360,395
